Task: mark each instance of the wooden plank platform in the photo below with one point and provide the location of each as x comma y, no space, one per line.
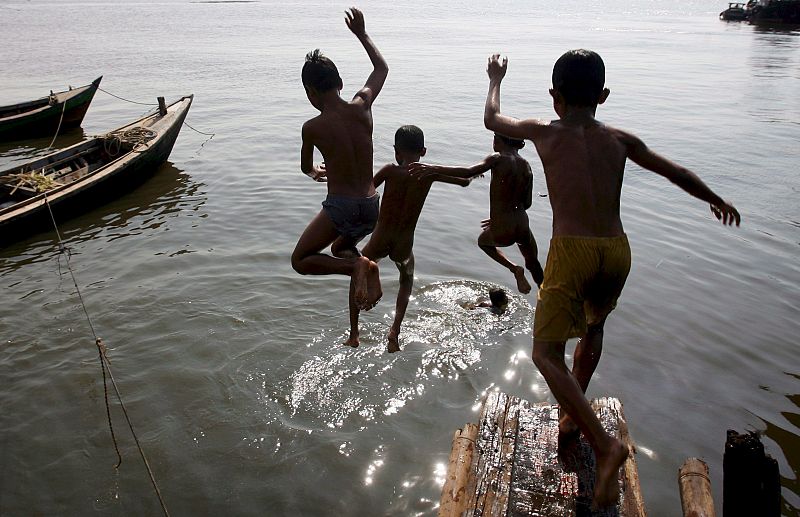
512,467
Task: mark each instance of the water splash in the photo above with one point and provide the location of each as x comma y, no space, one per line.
441,340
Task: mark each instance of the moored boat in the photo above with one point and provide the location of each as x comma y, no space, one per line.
42,117
86,174
734,12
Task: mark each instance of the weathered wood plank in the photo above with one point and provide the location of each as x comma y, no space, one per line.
454,496
519,471
695,487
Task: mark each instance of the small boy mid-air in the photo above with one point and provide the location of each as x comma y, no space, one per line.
510,195
403,198
343,134
589,257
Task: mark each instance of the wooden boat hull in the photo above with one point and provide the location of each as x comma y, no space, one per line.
42,116
121,173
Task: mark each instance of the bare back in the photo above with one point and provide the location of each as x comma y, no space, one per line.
403,199
343,134
583,165
511,186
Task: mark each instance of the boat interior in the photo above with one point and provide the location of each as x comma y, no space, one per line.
57,170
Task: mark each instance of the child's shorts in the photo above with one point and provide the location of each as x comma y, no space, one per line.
583,278
353,217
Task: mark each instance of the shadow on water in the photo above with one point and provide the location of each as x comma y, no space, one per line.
142,211
771,32
340,386
789,442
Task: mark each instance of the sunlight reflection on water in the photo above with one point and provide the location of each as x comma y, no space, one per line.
443,340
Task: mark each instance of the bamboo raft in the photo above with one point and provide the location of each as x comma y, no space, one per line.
509,464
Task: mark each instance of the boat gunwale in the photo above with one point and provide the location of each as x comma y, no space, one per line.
28,108
53,195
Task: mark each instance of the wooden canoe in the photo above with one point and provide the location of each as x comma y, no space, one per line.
40,118
86,174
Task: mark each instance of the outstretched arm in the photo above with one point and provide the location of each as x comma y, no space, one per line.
421,170
355,22
682,177
496,121
315,172
453,180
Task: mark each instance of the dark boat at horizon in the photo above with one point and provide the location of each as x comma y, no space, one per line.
43,117
86,174
764,12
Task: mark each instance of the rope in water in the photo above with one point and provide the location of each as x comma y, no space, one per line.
105,365
127,100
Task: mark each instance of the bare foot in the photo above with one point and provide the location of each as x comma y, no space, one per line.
359,281
393,343
606,486
352,341
522,284
374,291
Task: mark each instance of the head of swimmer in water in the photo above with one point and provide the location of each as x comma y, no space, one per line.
409,145
499,299
504,143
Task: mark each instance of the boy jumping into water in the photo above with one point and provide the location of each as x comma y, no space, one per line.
510,195
403,198
343,134
589,256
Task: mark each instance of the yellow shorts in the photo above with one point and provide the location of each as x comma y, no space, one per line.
583,278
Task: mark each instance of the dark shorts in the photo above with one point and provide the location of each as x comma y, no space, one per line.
353,217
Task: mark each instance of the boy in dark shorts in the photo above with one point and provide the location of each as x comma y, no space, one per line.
589,256
510,195
403,198
343,134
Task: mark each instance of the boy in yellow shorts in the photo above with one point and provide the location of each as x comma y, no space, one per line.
589,256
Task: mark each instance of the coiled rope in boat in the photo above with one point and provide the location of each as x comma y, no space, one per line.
137,137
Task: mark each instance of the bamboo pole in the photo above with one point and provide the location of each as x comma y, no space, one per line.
454,493
695,486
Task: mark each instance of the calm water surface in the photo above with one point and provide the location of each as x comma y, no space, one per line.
230,364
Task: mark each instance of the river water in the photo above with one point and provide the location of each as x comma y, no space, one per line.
230,363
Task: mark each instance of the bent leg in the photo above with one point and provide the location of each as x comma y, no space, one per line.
584,363
306,257
403,295
609,451
587,354
487,243
344,247
354,310
530,251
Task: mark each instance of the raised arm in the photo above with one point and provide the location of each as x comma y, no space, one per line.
355,22
680,176
422,170
315,172
496,121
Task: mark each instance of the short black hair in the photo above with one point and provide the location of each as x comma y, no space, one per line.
516,143
320,73
498,297
409,138
580,75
